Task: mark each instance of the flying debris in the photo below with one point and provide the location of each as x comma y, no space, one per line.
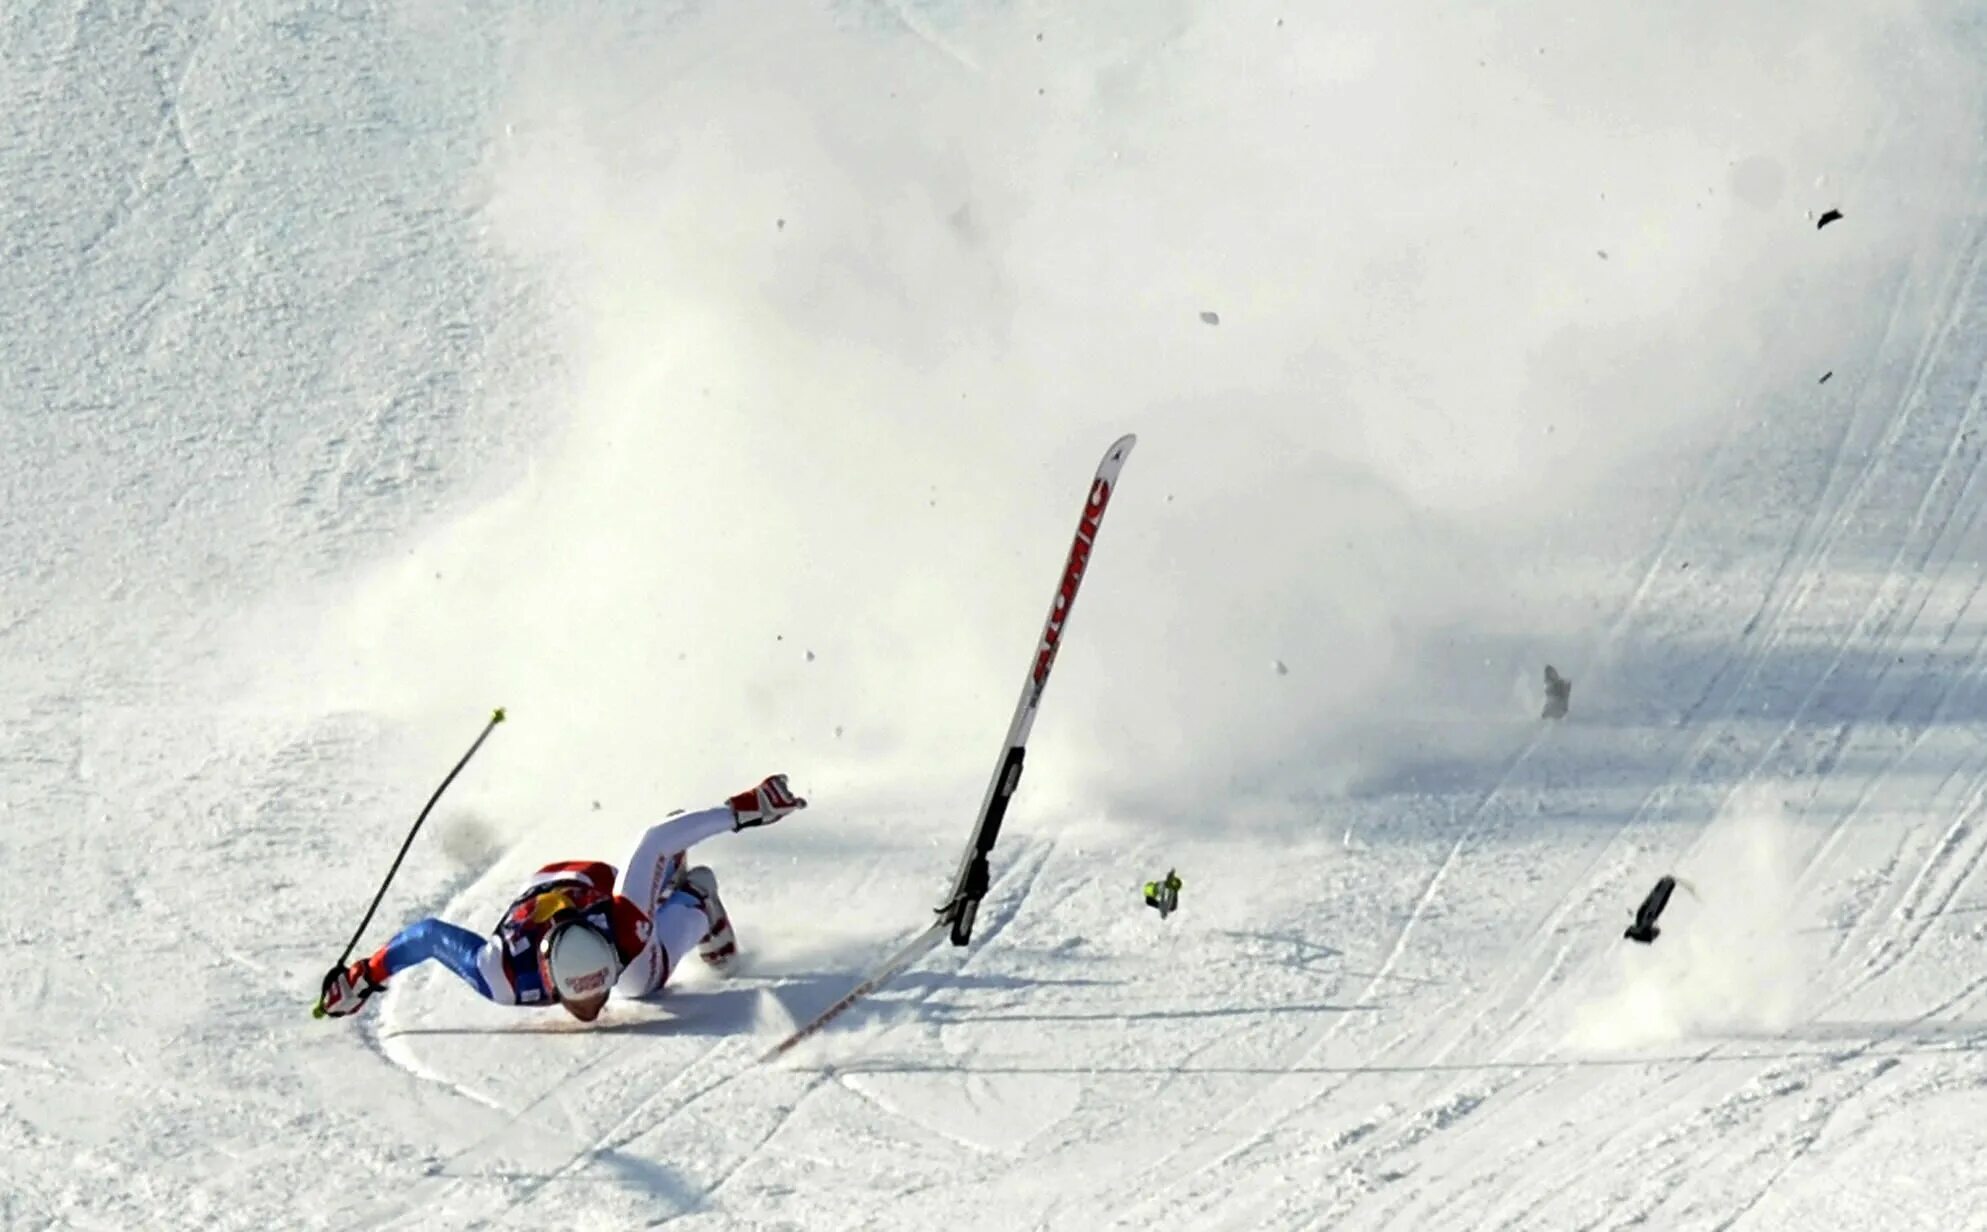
1164,896
1828,217
1210,318
1558,692
1825,376
1644,929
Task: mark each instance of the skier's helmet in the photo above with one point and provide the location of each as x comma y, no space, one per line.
580,965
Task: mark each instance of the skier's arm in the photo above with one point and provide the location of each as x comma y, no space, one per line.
453,946
755,806
686,830
662,849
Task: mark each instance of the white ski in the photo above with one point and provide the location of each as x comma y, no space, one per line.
970,884
899,962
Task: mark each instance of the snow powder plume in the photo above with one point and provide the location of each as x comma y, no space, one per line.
846,309
1729,956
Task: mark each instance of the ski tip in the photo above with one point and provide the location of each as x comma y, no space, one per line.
497,715
1123,445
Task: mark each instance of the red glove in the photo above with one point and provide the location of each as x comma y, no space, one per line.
764,804
345,991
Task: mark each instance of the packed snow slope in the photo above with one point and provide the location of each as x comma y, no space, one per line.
714,386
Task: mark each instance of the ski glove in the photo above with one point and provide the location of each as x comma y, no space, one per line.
764,804
345,991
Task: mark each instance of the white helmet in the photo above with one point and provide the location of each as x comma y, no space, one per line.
578,963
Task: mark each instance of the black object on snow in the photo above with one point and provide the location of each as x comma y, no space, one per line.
1644,929
1828,217
1558,692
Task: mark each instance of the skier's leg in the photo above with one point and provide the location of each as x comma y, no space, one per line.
648,972
678,925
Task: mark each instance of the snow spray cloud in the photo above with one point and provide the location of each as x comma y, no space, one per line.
1729,957
850,298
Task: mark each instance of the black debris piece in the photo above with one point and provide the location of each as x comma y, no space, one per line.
1558,692
1827,217
1210,318
1644,929
1825,376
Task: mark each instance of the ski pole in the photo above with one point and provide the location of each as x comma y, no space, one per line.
496,717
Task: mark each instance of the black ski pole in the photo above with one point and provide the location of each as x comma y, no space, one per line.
496,717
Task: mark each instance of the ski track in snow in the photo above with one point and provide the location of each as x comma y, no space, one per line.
1886,602
1835,521
1452,1098
1162,1192
1937,534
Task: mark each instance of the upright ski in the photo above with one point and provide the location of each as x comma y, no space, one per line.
957,913
970,885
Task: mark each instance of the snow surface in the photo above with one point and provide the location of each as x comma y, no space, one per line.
713,386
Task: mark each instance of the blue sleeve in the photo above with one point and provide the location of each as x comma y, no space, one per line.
452,946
